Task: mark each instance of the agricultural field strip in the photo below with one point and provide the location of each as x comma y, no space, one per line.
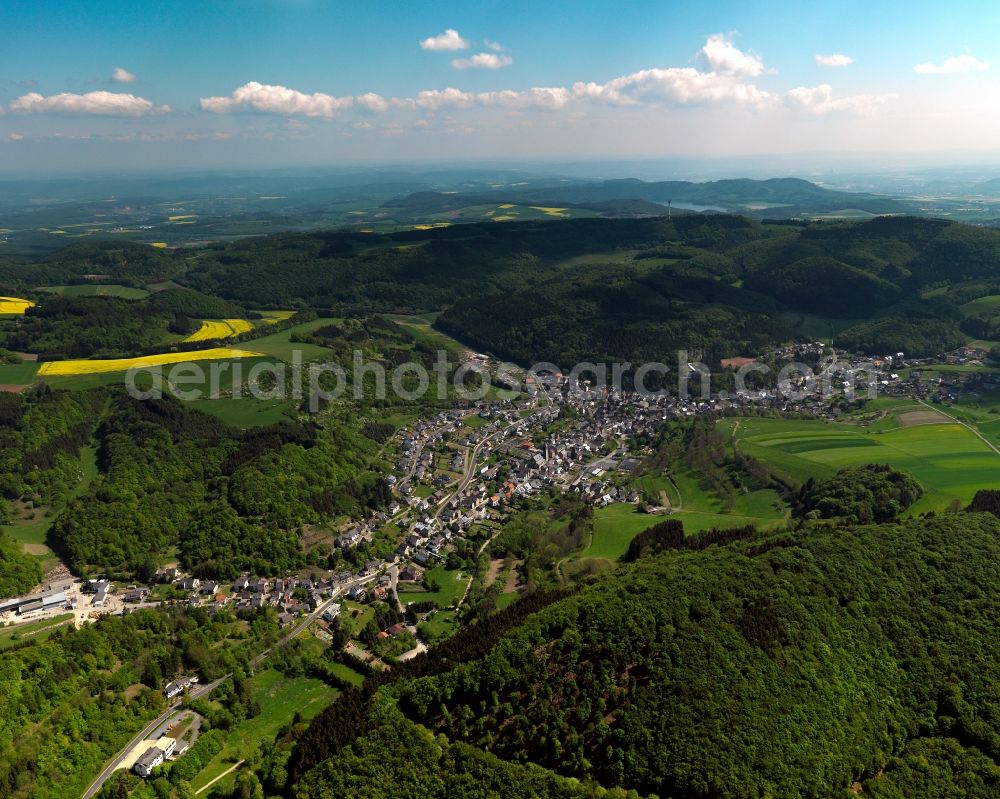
212,329
84,366
14,305
953,471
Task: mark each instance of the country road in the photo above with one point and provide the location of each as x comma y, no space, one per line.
203,690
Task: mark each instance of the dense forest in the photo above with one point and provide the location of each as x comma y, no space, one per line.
848,656
68,702
172,476
111,326
859,495
715,284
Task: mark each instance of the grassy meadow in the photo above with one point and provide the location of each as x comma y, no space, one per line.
280,698
451,586
948,460
97,290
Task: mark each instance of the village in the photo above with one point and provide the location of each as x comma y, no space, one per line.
456,476
462,467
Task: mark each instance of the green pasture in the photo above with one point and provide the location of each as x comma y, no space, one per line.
983,305
280,698
18,374
614,528
948,460
94,290
451,586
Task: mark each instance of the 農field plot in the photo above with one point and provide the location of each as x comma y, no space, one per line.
215,329
948,460
14,305
95,366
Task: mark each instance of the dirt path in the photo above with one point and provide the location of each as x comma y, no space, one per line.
496,565
214,780
680,497
513,578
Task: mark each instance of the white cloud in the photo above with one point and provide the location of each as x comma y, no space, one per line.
483,61
370,101
99,103
820,100
449,40
122,75
15,136
953,65
546,98
256,96
434,99
496,47
724,57
676,85
834,60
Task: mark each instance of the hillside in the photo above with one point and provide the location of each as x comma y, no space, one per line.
794,665
571,289
781,197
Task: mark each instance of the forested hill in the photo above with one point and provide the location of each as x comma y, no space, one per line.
570,290
776,197
850,655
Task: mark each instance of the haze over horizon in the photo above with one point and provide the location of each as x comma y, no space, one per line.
277,83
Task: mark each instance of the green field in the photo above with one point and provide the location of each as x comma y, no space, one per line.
614,527
948,460
699,509
980,410
346,673
280,699
30,532
439,626
33,630
18,374
246,411
281,346
357,613
451,586
33,533
225,370
91,290
820,328
984,305
421,330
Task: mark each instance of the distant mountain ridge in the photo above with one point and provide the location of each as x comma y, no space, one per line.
775,196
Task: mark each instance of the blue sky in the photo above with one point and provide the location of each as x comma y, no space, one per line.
304,81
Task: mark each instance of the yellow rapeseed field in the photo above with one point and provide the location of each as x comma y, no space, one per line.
212,329
273,317
89,367
550,211
432,226
14,305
